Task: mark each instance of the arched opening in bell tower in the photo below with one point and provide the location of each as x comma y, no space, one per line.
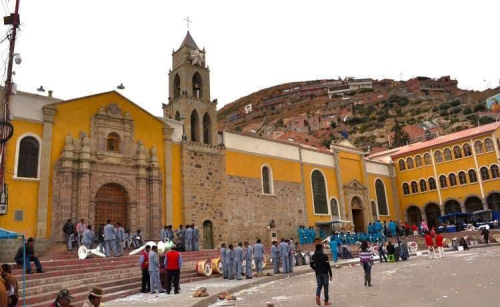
197,85
207,122
177,86
195,123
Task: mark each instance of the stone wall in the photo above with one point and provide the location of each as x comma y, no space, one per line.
250,211
203,174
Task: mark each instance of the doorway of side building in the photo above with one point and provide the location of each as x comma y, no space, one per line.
208,241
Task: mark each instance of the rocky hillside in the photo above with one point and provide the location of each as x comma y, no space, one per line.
371,113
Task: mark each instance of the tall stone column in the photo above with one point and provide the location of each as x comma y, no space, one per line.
340,188
155,194
66,185
84,180
169,197
142,208
43,189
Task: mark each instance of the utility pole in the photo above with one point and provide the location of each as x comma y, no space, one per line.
7,128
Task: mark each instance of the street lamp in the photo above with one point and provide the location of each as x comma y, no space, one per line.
184,137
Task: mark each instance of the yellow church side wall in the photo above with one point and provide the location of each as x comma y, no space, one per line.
75,116
23,194
332,192
177,185
389,195
249,165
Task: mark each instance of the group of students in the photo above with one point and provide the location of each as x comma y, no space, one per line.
306,235
232,259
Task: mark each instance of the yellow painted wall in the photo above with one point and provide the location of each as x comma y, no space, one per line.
75,116
177,185
249,165
332,192
23,194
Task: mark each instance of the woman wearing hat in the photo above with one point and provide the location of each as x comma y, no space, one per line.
94,299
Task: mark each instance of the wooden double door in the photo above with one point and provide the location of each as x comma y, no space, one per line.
111,204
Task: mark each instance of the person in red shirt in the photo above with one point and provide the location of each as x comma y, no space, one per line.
415,229
439,244
430,244
407,228
173,265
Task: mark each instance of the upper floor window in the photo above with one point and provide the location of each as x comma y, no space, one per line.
418,161
427,159
485,174
406,189
462,178
453,180
414,187
472,176
432,184
423,185
488,144
478,146
28,156
319,192
334,206
409,162
381,197
402,165
457,152
442,181
494,171
467,150
113,142
267,180
438,156
447,154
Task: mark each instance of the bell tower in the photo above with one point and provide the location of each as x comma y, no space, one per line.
189,93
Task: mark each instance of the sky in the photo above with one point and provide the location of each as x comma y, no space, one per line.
83,47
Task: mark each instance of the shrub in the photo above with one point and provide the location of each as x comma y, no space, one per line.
444,106
467,111
455,103
486,120
480,108
455,110
443,113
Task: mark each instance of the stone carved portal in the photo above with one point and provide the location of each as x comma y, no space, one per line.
357,214
111,204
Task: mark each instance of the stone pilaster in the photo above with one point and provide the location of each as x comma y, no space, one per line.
169,198
141,187
43,189
368,212
340,188
155,194
66,184
84,180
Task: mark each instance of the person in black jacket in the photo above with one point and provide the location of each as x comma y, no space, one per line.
323,270
30,256
68,229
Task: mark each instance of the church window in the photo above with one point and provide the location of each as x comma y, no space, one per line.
478,146
319,193
442,182
197,86
406,189
447,154
113,142
457,152
494,171
423,185
409,162
453,180
177,86
418,161
402,165
485,174
438,156
267,180
414,187
467,151
334,205
28,158
488,143
462,178
381,197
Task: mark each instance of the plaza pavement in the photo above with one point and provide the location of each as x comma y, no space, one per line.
217,285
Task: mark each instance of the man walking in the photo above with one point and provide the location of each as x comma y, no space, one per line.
334,248
68,230
225,272
321,266
88,237
230,261
439,244
110,238
284,256
486,235
238,259
120,238
144,263
258,256
248,259
189,238
173,265
80,228
275,257
30,256
154,271
430,244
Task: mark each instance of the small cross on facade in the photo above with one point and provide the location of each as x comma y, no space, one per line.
188,21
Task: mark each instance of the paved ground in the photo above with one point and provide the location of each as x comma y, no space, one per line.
461,279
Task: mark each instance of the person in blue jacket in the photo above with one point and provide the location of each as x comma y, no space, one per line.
301,235
334,249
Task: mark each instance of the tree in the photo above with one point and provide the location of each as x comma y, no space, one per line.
401,138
